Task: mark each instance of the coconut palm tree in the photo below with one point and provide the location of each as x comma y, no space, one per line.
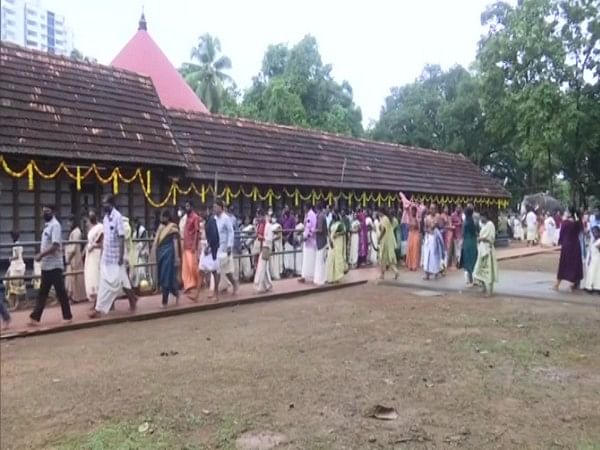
207,77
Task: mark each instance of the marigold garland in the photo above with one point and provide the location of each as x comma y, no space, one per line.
227,193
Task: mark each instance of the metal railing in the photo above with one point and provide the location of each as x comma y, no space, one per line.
240,236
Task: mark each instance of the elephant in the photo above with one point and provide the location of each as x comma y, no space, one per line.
543,201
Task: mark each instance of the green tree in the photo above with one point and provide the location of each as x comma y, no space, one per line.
208,77
294,87
440,110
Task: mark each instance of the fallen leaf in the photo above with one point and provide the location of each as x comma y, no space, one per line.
55,380
206,412
144,427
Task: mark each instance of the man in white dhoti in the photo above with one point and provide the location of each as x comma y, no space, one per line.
264,236
247,237
288,224
298,243
141,255
276,266
322,234
93,253
532,230
309,247
113,272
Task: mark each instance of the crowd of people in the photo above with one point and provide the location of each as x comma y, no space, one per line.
213,250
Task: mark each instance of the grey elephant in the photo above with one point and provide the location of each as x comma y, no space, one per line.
543,201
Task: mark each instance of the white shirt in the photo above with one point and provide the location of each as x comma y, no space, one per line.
268,234
531,219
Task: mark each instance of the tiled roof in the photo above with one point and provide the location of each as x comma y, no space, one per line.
57,107
251,152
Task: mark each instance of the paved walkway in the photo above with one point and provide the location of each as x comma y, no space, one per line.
513,283
149,307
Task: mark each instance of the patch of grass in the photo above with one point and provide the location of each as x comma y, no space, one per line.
229,430
123,436
588,445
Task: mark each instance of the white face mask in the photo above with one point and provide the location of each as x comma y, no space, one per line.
180,214
273,220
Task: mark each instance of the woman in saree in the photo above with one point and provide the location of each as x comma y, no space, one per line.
335,256
434,249
264,237
486,267
354,241
413,253
74,284
387,245
570,266
468,256
93,253
592,277
168,257
363,238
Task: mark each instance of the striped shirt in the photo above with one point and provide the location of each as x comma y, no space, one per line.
114,229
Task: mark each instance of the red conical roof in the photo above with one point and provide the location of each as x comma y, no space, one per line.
142,55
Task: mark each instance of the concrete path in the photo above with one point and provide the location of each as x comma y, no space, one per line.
149,307
513,283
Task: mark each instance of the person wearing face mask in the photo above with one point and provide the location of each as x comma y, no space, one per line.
113,272
52,265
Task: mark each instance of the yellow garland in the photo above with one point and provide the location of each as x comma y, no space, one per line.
115,175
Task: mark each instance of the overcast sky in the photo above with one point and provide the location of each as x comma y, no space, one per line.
374,44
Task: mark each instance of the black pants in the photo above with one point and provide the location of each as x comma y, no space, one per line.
52,278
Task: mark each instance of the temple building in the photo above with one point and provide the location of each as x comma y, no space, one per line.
71,130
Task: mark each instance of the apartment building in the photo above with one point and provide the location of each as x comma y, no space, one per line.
28,23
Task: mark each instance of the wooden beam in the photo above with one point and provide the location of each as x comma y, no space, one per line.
37,214
15,204
58,197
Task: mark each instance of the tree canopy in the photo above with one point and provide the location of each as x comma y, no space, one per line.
294,87
528,109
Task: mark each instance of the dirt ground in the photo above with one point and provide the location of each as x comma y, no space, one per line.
545,262
461,372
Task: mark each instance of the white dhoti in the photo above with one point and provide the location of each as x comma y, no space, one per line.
320,277
309,255
246,265
532,233
276,265
353,254
113,281
289,257
262,278
298,258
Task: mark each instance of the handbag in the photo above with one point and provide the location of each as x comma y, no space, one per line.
265,253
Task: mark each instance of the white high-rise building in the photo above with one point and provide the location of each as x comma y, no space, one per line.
28,23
